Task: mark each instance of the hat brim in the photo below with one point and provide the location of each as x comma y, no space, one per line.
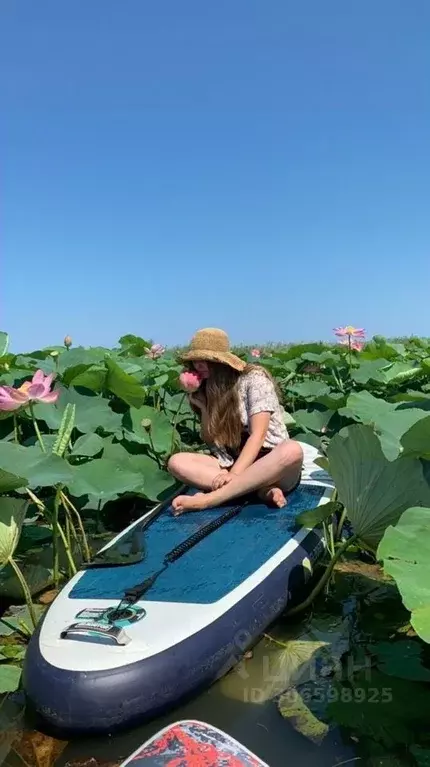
225,358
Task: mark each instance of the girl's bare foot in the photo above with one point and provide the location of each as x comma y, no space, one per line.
273,496
195,502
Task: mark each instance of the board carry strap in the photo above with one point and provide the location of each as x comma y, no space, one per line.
114,634
134,593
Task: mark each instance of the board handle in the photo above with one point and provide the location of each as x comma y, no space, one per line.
95,631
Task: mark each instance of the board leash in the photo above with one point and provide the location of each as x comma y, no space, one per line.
137,527
134,593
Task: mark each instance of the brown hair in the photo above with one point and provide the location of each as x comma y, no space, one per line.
222,425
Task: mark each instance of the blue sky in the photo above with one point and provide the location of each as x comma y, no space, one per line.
258,166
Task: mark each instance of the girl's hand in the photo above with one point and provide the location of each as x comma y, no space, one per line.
221,479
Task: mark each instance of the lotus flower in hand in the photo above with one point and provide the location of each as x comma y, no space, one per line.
190,381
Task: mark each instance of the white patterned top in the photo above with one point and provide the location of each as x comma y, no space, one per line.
257,394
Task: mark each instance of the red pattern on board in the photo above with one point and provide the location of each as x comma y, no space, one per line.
193,752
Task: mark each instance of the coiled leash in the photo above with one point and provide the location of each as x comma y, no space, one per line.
134,593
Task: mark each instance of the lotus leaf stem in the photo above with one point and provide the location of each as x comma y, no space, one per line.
55,557
40,505
45,511
67,550
175,420
331,536
284,645
15,429
338,379
36,429
68,533
323,580
69,522
67,502
340,524
154,452
25,590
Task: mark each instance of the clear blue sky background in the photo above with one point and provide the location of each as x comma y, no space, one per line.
259,166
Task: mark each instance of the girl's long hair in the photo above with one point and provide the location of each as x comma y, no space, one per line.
222,425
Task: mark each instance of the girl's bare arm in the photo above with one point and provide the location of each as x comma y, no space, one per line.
259,423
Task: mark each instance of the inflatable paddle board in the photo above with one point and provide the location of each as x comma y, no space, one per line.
152,622
191,743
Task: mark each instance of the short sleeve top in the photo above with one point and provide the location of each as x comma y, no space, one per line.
257,394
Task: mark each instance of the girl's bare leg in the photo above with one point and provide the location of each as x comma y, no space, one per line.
275,494
194,469
279,469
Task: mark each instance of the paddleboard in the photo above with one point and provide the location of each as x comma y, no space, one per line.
86,672
191,743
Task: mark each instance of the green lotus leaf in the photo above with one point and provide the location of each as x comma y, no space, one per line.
12,515
91,413
79,356
88,445
405,551
369,370
314,420
401,659
392,423
37,578
9,677
155,483
379,706
41,469
159,431
309,389
124,385
103,478
312,517
4,343
9,481
374,490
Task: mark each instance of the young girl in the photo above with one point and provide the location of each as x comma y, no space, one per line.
242,423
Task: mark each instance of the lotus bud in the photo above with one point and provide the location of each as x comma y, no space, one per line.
67,342
156,350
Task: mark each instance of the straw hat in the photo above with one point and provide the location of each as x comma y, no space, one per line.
212,345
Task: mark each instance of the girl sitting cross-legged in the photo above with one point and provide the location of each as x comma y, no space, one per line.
243,426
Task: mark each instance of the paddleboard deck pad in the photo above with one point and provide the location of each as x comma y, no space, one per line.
90,668
191,743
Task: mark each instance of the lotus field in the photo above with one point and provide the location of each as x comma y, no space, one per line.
86,434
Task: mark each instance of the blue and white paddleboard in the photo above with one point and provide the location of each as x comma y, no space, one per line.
85,671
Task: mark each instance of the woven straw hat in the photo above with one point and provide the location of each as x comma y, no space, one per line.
212,345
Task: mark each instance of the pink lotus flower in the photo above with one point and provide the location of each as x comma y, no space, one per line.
67,342
156,350
349,330
36,390
255,353
190,381
357,346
